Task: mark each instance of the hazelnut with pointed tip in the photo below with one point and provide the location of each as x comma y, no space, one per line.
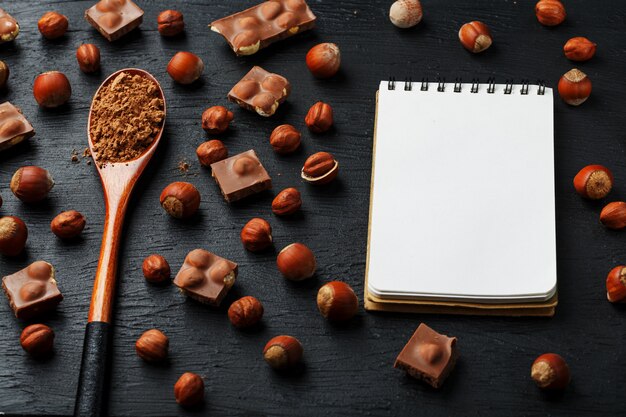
550,372
593,182
180,200
337,301
405,13
616,285
31,184
283,352
296,262
475,36
13,235
574,87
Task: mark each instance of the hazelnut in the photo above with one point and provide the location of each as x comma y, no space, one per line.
285,139
549,371
256,235
475,36
288,201
337,301
282,352
616,285
405,13
189,390
170,23
574,87
185,67
9,28
31,184
319,118
88,57
215,119
52,89
37,340
245,312
155,269
68,224
323,60
550,12
593,182
152,346
613,215
320,168
13,235
211,152
4,74
180,199
579,49
296,262
53,25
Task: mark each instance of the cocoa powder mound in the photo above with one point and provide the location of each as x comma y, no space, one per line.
127,115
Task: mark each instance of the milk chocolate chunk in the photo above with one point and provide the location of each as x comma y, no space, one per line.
241,176
9,28
114,18
260,91
33,290
253,29
206,277
14,128
428,356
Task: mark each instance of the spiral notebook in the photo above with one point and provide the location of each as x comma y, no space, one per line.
462,209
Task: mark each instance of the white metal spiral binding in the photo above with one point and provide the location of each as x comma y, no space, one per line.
458,85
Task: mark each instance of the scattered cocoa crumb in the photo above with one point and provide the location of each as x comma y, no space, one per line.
74,155
89,162
183,166
86,153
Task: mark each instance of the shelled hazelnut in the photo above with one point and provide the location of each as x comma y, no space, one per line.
152,346
88,57
68,224
613,215
287,202
550,372
323,60
574,87
320,168
616,285
215,120
211,152
189,390
185,67
31,184
245,312
53,25
155,269
4,74
475,36
13,235
405,13
319,118
52,89
296,262
285,139
283,352
337,301
180,200
579,49
593,182
170,23
550,12
256,235
37,340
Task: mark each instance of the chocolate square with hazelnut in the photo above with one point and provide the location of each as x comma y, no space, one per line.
206,277
241,176
429,356
33,290
114,18
260,91
14,128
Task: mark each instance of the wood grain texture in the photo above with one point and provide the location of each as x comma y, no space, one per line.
348,369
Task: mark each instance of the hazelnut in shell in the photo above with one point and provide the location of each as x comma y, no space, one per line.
574,87
31,184
337,301
593,182
405,13
616,285
189,390
323,60
180,199
52,89
37,340
185,67
283,352
4,74
13,235
550,372
475,36
296,262
152,346
256,235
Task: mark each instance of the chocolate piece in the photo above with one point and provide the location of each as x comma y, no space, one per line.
261,25
240,176
206,277
428,356
9,28
32,290
14,128
260,91
114,18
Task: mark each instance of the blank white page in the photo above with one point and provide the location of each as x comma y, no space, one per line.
462,204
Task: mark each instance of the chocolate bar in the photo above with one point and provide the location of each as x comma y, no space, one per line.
114,18
240,176
260,91
428,356
206,277
33,290
9,28
14,128
257,27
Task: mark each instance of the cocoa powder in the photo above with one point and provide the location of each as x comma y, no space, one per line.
127,115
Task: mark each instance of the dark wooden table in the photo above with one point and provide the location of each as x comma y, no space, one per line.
348,369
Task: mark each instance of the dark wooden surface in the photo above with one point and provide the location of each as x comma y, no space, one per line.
347,369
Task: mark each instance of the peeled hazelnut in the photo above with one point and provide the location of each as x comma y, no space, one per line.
616,285
285,139
283,352
37,340
613,215
170,23
574,87
256,235
550,12
31,184
68,224
152,346
88,57
185,67
320,168
53,25
337,301
4,74
319,118
579,49
296,262
52,89
245,312
323,60
189,390
211,152
549,371
405,13
180,199
155,269
13,235
215,119
288,201
593,182
475,36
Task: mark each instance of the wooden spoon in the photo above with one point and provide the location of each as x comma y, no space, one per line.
118,180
